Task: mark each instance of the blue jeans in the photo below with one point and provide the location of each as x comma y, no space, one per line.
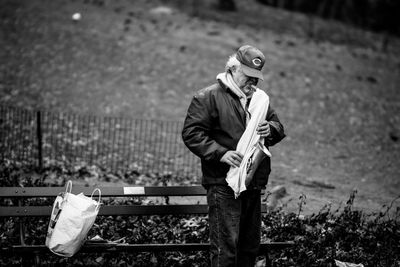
235,226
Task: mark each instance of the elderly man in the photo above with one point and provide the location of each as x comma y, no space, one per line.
225,124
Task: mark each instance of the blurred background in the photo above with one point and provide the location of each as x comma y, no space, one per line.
333,77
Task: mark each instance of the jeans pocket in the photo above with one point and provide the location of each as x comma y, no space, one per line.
220,195
224,191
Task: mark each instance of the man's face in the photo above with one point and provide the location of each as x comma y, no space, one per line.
244,82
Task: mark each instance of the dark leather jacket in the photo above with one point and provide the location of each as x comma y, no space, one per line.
214,123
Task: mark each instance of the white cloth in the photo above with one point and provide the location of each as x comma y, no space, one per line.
248,142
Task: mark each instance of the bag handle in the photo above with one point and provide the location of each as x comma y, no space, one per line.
69,185
68,189
91,196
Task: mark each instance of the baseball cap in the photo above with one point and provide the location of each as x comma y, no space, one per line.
252,61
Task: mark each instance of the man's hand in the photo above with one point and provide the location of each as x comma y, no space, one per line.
264,129
232,158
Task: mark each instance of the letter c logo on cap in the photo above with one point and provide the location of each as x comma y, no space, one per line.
257,62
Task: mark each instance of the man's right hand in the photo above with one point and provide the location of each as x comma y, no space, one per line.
232,158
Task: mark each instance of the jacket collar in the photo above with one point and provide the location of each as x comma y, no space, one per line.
226,89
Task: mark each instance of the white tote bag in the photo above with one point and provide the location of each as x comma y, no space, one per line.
71,219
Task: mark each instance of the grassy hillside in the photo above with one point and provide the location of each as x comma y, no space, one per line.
340,103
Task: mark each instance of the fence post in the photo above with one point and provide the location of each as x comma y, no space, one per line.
39,138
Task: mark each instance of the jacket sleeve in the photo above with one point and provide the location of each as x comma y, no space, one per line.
197,127
277,130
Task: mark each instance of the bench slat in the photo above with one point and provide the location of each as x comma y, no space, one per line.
105,191
156,210
35,211
110,247
44,211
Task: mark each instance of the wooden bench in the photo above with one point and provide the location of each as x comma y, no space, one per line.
18,194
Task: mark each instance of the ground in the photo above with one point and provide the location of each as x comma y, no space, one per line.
337,97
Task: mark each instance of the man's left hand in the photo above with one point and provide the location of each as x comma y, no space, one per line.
264,129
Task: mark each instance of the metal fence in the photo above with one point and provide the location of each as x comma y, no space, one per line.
43,138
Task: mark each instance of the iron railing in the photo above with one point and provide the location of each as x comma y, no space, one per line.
116,143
